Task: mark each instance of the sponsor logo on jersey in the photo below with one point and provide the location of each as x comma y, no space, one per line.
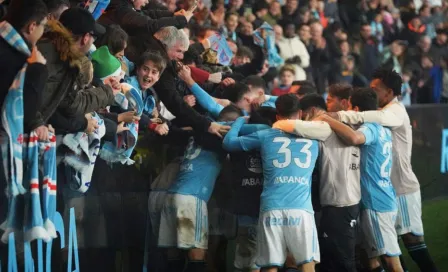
253,164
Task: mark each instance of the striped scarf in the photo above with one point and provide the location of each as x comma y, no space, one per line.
129,99
12,115
37,215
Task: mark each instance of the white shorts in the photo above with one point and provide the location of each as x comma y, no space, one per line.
378,233
283,231
155,205
220,221
409,217
246,243
184,222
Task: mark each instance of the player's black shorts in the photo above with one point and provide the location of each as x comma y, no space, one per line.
337,238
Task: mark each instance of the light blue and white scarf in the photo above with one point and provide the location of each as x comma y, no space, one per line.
36,212
129,99
12,115
84,149
274,58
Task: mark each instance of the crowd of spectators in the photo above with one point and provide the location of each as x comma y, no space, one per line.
159,43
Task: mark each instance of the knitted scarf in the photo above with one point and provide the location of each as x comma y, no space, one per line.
12,115
80,160
37,213
129,99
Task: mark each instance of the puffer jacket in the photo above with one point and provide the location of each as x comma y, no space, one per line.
63,94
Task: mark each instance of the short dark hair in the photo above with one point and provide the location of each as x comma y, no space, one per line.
231,13
235,92
54,5
154,57
287,105
244,51
390,79
263,115
230,109
23,12
115,38
365,99
340,90
313,100
255,81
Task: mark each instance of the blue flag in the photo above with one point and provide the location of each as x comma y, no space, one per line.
219,44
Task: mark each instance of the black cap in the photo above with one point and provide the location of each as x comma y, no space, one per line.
80,21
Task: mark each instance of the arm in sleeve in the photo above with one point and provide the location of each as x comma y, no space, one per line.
88,100
233,143
166,90
304,56
391,116
206,101
247,129
64,125
369,132
130,20
34,84
157,14
346,133
308,129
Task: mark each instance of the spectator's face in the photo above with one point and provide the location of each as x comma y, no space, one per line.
171,5
232,23
35,30
316,31
426,63
425,44
120,54
334,104
406,78
290,31
426,12
441,38
138,4
396,49
345,48
314,4
247,29
287,78
291,5
240,60
278,30
275,8
147,75
236,3
416,23
366,31
305,17
176,52
305,33
385,95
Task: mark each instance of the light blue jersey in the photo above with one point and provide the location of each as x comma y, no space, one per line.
377,192
288,163
198,172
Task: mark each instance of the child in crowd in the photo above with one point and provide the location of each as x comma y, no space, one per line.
116,39
287,75
406,88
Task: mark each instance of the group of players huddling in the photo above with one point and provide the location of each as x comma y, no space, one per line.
359,142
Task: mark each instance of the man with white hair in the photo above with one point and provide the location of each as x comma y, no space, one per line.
172,43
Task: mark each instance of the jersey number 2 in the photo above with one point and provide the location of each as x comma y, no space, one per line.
287,153
387,148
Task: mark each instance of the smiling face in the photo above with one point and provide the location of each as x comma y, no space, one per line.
147,75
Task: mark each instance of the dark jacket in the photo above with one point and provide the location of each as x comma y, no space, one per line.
166,86
141,23
62,92
35,78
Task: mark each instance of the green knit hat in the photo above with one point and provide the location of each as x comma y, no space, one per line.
105,64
